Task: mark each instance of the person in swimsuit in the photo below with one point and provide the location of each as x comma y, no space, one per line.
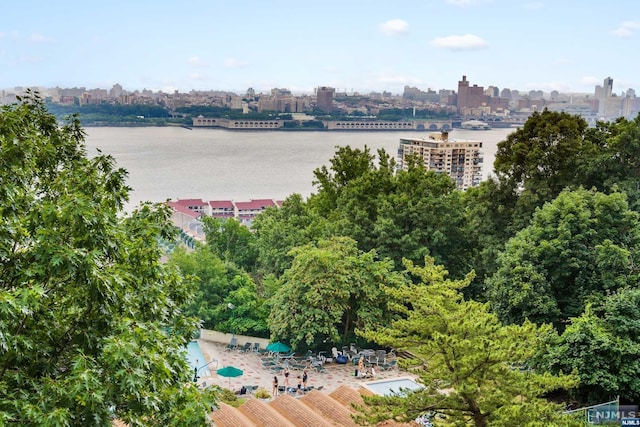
286,377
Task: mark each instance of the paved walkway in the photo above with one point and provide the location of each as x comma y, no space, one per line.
254,373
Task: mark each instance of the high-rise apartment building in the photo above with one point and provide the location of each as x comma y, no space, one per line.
460,159
470,96
602,94
324,98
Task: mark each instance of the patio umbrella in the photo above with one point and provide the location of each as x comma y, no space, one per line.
278,347
229,372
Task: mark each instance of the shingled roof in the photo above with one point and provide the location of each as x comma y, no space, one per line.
315,409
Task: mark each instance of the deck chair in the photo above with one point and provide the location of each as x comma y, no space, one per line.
256,347
246,347
233,344
388,366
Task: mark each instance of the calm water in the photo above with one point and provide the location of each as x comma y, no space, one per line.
212,164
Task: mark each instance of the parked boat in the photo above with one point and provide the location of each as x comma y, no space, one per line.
475,125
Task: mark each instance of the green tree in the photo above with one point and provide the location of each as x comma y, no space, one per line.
487,209
577,248
357,207
602,346
278,230
231,241
541,159
615,164
423,215
346,165
90,321
330,288
218,283
467,362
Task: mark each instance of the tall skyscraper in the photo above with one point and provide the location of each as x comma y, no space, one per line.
324,98
603,93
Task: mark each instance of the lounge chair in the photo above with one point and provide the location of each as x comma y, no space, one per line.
251,388
319,368
388,366
246,347
233,344
256,347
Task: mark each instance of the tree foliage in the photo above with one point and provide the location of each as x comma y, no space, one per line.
90,321
231,241
578,248
278,230
602,346
542,158
216,285
330,289
468,363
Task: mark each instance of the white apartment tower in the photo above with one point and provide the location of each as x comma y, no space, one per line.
460,159
603,93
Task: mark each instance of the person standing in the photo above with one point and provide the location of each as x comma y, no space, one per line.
360,371
305,377
286,378
275,386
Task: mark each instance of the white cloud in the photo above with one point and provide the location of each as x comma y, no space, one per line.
466,3
39,38
534,5
626,29
234,63
466,42
394,27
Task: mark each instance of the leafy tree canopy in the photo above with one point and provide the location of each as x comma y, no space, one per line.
90,321
466,361
278,230
330,288
579,247
231,241
603,347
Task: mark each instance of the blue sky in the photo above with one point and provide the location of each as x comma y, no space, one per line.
374,45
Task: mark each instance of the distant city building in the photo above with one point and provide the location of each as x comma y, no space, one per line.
602,93
470,96
116,91
460,159
415,94
324,98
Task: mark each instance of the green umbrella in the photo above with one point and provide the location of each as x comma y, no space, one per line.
229,372
278,347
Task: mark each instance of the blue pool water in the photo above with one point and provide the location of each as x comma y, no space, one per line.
389,387
196,359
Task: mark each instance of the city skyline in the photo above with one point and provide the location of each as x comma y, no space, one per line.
351,46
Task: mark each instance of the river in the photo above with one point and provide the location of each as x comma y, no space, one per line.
215,164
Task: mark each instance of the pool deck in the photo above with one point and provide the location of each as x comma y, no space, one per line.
254,373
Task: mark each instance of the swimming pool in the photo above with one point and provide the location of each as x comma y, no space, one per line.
196,359
391,386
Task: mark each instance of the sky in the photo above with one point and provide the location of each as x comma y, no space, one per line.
351,45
